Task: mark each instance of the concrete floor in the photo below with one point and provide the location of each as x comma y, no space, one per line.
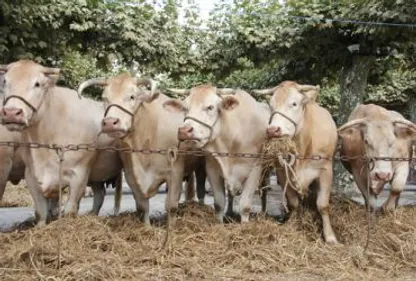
9,217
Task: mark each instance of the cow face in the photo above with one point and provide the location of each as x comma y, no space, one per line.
25,84
287,106
202,108
380,138
122,98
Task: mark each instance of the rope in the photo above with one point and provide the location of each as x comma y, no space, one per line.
60,152
289,174
172,155
370,213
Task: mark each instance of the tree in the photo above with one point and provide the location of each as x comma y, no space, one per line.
310,47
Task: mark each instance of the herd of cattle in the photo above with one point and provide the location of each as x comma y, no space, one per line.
135,114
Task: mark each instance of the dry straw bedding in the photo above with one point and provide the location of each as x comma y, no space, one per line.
16,196
122,248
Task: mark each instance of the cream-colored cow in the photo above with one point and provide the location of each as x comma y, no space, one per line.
373,131
135,118
296,115
233,123
48,114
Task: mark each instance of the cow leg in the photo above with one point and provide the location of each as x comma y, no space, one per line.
53,207
250,186
322,203
41,203
175,186
230,205
190,189
218,188
200,175
76,192
99,194
2,188
265,183
397,185
5,168
142,205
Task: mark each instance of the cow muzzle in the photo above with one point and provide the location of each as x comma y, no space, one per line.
186,133
110,124
379,179
274,132
13,115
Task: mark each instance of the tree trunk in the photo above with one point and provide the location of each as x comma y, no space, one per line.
353,82
412,107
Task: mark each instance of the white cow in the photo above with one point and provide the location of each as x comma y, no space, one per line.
48,114
235,123
135,118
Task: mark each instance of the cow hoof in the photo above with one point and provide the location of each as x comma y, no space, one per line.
282,218
331,240
40,224
245,218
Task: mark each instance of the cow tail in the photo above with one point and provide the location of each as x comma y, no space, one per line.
117,193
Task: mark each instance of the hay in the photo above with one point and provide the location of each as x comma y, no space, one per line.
277,146
16,196
121,248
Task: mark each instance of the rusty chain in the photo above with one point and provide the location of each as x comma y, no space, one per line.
287,156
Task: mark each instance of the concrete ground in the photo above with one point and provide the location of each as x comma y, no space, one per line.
9,217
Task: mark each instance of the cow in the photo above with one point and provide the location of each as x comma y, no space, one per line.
224,120
135,118
297,116
372,131
12,167
49,114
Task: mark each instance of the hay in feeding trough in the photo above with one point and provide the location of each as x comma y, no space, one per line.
121,248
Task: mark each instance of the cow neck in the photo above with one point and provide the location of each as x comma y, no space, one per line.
225,142
140,124
39,130
64,119
302,138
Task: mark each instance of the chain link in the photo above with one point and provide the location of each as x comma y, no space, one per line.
93,147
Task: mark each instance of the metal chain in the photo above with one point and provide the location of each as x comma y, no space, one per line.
286,156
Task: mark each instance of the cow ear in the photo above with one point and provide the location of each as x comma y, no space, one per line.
229,103
51,80
148,98
310,92
403,131
350,131
173,105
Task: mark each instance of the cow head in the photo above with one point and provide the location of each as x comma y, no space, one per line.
287,104
202,109
25,84
122,97
380,138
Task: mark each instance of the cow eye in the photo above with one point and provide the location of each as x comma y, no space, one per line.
132,97
294,104
211,107
37,85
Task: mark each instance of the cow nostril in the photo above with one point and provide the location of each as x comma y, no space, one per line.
116,121
19,112
189,129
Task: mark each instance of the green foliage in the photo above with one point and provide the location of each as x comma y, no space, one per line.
247,44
